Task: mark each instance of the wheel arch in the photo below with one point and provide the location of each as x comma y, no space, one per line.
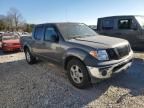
26,47
74,54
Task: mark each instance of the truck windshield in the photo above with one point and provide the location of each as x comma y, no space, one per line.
75,30
140,19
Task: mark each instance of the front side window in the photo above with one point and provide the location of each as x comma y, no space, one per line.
50,33
125,24
107,24
39,32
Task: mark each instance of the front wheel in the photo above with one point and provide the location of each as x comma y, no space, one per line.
78,74
29,57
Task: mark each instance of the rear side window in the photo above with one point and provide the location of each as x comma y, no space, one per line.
49,33
125,24
39,33
107,24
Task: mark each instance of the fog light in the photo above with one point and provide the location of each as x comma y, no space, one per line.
104,73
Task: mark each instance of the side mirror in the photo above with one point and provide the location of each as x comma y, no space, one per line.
134,27
55,38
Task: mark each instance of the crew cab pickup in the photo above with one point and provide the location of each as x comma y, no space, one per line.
84,54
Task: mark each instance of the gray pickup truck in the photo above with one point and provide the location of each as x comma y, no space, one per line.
129,27
85,55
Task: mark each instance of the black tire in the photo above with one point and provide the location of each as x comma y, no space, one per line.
86,82
31,59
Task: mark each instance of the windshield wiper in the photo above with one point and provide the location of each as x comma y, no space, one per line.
78,36
75,37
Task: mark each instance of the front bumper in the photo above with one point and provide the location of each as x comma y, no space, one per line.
106,71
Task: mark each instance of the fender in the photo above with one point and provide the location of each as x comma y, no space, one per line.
74,52
27,45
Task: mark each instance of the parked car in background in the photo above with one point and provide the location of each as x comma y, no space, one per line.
10,43
0,41
130,28
1,33
23,34
82,52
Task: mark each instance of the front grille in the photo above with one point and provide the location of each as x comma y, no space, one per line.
112,54
123,51
118,52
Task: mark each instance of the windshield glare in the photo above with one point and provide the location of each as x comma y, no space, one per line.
9,37
71,31
141,21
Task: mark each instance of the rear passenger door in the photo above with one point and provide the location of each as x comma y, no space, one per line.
38,40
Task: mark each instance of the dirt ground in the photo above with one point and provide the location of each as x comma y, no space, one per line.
45,85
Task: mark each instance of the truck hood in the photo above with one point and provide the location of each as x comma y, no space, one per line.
102,42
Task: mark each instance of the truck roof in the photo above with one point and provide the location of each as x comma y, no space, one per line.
57,23
117,16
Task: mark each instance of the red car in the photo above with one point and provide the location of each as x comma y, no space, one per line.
10,43
0,40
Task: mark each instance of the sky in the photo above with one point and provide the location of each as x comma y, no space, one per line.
85,11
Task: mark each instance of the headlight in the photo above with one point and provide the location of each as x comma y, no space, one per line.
100,55
7,44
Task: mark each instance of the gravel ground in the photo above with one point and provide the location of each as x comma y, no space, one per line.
45,85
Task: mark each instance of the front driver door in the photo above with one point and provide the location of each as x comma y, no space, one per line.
51,46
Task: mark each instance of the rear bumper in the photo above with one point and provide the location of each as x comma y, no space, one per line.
107,71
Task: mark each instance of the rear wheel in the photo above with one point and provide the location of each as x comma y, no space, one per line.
78,74
29,57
